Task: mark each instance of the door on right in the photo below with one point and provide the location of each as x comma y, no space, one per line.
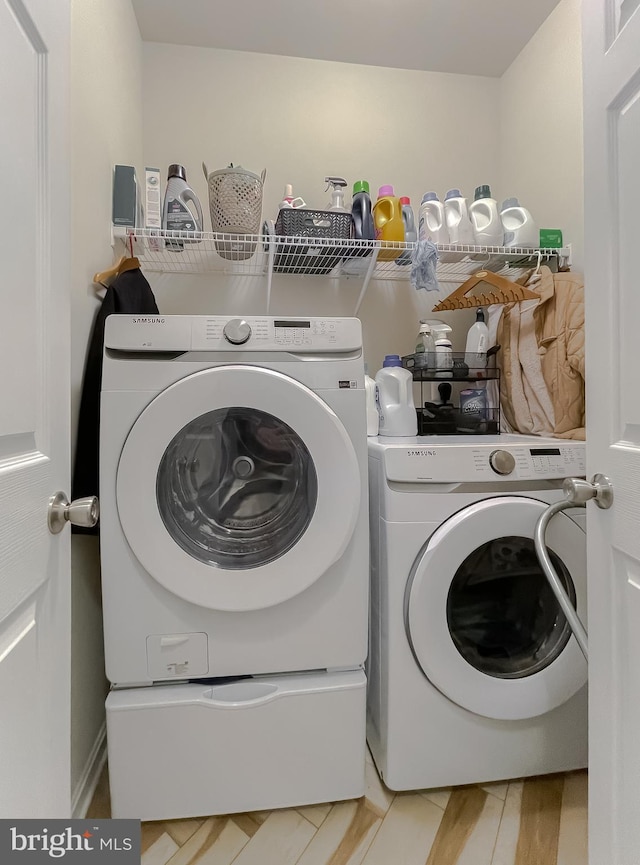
611,44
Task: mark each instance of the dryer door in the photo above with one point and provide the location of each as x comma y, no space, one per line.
482,621
237,488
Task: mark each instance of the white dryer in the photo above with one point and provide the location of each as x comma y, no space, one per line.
473,672
234,543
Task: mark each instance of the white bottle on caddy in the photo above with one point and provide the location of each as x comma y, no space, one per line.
475,352
485,218
396,409
431,223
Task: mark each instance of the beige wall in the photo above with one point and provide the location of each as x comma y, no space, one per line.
302,120
541,126
106,128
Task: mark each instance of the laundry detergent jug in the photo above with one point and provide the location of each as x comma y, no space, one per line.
396,410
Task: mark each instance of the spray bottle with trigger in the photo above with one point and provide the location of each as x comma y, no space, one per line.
337,185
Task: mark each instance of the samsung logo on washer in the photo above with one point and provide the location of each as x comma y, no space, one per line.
422,453
150,320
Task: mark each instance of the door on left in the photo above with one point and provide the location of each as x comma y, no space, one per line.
34,408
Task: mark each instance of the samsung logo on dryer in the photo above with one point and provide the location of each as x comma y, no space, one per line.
422,453
149,320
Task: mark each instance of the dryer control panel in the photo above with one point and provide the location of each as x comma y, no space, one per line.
499,459
157,333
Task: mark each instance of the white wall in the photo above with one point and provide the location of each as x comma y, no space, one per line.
541,126
106,128
302,120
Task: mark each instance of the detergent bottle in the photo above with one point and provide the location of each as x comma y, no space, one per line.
518,224
395,399
487,225
457,219
432,225
181,210
389,224
361,212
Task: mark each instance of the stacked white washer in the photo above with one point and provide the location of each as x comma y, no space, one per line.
473,672
234,544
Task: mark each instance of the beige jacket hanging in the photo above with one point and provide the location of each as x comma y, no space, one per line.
542,359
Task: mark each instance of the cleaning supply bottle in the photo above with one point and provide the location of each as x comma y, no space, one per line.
456,215
483,212
181,210
475,352
410,230
288,200
337,185
432,225
388,221
425,353
371,396
519,227
395,399
361,212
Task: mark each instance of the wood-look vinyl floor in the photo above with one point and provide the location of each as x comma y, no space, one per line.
538,821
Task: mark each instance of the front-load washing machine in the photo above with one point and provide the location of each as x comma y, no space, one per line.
474,674
234,546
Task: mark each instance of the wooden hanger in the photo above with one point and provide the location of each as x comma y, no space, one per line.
127,262
506,291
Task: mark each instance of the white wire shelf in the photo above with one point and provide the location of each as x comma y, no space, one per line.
266,255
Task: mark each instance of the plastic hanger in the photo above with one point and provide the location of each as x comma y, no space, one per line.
126,262
506,291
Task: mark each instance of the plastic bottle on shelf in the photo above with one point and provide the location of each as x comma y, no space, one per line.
475,352
388,221
485,218
396,410
361,212
518,224
181,209
432,225
288,200
410,230
456,214
425,353
371,396
337,186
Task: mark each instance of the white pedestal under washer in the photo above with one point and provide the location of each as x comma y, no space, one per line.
473,673
234,543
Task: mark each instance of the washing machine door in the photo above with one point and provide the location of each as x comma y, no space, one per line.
237,488
482,621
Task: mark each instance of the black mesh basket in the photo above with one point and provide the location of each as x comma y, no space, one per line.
321,227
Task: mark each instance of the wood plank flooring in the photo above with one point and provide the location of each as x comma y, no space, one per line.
538,821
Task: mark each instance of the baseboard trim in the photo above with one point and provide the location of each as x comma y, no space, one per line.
87,784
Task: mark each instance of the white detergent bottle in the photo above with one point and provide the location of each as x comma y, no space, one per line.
431,223
519,227
396,410
475,352
457,219
181,210
485,218
371,396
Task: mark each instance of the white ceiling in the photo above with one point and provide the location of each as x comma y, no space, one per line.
474,37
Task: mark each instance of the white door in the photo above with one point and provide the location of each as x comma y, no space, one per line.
34,408
611,31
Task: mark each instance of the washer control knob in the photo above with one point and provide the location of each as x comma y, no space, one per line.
237,331
502,462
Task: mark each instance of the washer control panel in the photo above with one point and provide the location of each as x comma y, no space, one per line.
492,461
158,333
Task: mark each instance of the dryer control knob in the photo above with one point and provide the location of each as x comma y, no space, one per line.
237,331
502,462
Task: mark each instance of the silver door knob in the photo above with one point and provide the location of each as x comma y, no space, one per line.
79,512
579,492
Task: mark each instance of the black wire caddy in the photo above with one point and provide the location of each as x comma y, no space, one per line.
457,397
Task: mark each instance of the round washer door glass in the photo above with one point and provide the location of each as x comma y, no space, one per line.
236,488
482,623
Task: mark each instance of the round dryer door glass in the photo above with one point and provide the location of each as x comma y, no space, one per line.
236,488
502,614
